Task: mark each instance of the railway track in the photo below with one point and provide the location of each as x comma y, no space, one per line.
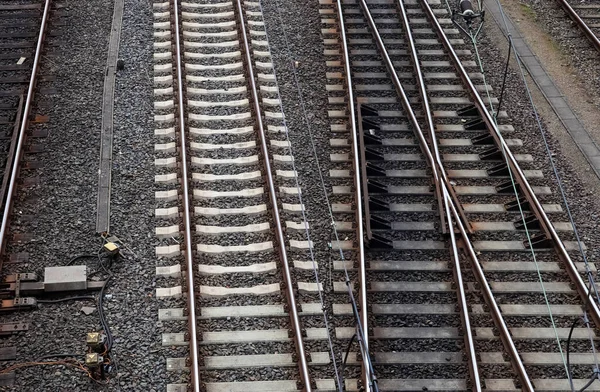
587,17
23,29
233,241
449,289
427,331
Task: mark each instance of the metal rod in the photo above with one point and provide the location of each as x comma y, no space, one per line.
462,297
187,224
443,194
362,275
289,284
401,92
429,119
23,128
505,336
513,165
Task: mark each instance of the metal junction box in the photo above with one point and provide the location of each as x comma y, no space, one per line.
73,277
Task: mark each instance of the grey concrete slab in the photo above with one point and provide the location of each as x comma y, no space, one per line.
416,287
595,160
564,114
419,333
581,137
404,357
578,133
589,149
106,132
534,67
402,385
558,101
545,82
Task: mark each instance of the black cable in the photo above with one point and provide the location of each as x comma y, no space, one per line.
83,256
101,259
590,277
109,337
343,365
568,360
593,378
54,301
505,75
361,339
570,373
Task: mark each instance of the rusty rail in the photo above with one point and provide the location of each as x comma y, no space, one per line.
23,129
532,200
581,23
447,200
187,224
535,205
289,284
362,270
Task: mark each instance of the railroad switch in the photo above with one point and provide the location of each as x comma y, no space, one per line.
11,290
16,290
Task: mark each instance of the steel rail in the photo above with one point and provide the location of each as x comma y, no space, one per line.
462,297
440,178
362,269
189,261
289,284
505,334
447,197
582,25
488,295
429,118
23,128
514,167
401,92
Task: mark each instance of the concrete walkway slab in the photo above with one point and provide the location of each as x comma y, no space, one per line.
551,92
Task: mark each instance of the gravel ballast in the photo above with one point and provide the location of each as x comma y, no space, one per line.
64,204
64,207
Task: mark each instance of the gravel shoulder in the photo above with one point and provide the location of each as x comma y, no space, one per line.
579,181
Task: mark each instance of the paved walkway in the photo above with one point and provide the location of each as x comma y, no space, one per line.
569,119
106,135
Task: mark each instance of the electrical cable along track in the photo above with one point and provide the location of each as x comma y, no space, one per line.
224,165
469,286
